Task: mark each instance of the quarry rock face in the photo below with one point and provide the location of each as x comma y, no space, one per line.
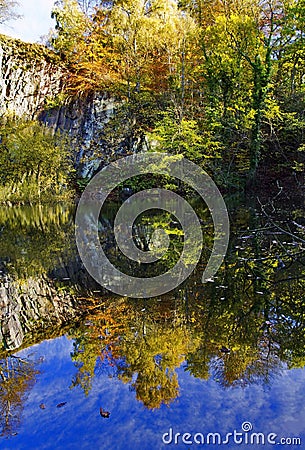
30,307
29,75
32,83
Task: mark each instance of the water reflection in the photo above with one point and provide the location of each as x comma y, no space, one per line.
244,330
69,420
33,238
17,378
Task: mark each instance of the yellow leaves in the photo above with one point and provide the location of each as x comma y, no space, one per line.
130,43
91,76
298,166
71,25
272,110
174,232
251,114
274,264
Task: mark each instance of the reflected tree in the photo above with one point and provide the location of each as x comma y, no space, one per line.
96,342
127,343
17,377
33,240
244,327
151,358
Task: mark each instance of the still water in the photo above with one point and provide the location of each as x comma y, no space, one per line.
219,365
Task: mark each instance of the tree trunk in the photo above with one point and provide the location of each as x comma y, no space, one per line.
261,79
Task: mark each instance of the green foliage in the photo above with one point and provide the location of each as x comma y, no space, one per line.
82,183
35,164
26,54
34,238
184,137
71,25
213,81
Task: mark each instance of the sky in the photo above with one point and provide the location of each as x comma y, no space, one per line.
36,20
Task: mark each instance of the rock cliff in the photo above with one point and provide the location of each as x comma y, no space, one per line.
32,81
29,75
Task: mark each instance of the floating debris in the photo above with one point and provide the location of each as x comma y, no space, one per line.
104,413
60,405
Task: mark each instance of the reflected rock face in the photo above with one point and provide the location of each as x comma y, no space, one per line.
29,306
40,273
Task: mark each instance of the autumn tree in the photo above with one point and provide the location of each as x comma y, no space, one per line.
215,80
17,377
71,26
238,47
288,129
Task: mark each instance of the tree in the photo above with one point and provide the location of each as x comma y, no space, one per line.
185,137
214,78
82,42
17,377
71,26
34,163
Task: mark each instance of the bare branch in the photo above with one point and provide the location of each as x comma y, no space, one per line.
7,10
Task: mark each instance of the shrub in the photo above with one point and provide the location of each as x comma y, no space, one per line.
35,163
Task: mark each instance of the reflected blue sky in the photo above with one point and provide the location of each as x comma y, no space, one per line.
203,406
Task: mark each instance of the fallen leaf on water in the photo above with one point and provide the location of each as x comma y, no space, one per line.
104,413
60,405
